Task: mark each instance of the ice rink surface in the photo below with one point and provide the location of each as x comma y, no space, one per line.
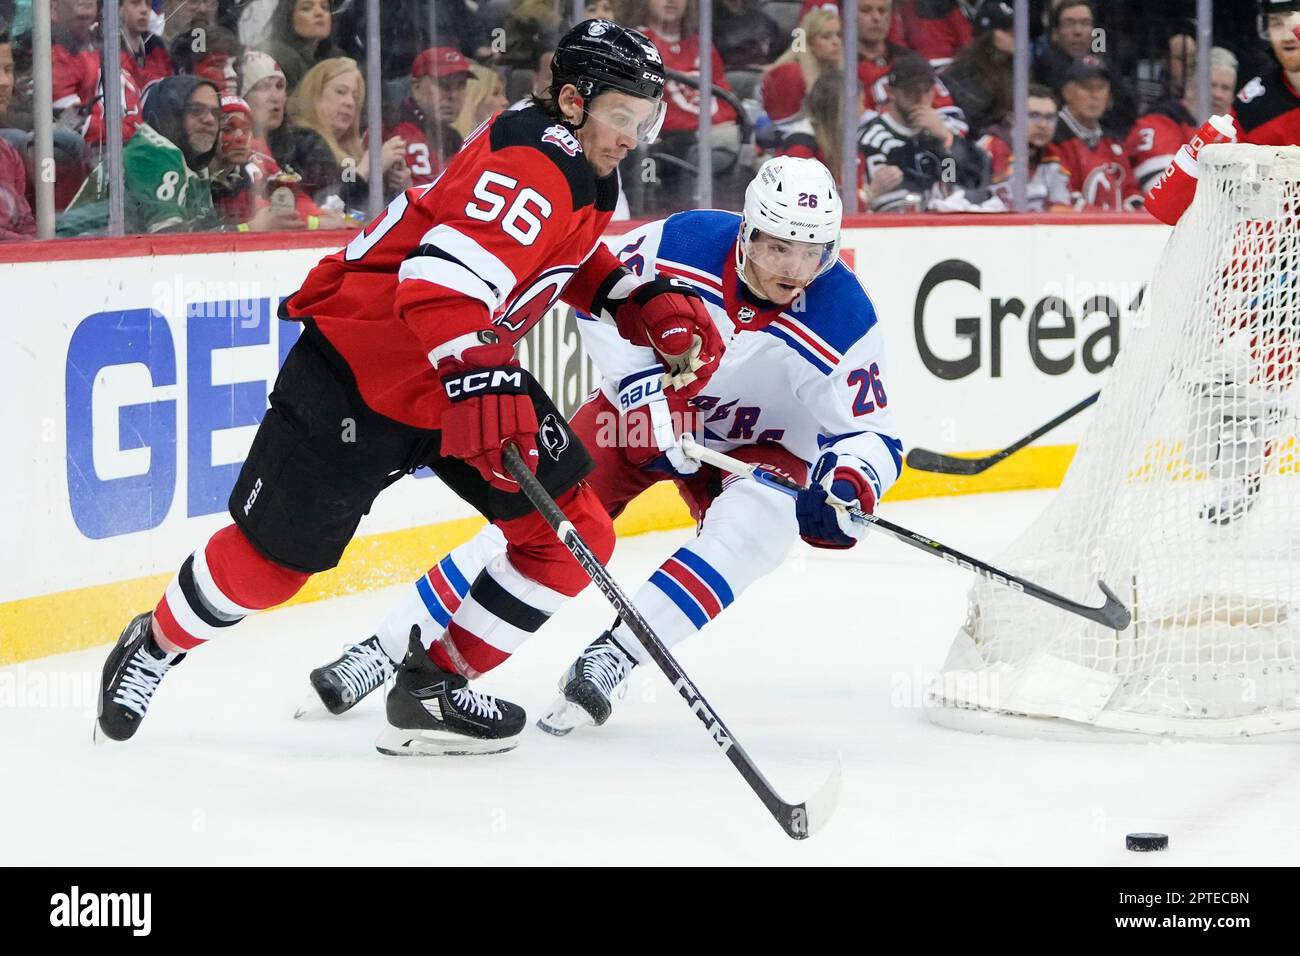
829,654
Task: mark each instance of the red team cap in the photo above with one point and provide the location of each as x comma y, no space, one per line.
439,61
235,104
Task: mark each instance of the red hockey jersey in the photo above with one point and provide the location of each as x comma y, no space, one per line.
491,244
1267,111
1100,176
1155,138
683,102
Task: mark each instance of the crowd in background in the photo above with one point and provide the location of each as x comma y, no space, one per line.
250,115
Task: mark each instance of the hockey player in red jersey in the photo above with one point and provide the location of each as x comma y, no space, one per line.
406,360
1267,110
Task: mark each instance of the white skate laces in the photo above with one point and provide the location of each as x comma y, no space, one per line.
140,679
605,665
481,705
362,668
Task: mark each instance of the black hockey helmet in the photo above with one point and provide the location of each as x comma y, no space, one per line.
598,56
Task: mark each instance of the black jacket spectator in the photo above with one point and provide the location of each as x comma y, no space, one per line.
296,54
404,32
745,37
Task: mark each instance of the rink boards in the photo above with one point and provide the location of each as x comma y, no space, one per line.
135,372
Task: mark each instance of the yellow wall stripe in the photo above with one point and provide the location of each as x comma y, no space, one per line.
86,617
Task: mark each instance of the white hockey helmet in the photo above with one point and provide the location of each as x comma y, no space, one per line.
795,200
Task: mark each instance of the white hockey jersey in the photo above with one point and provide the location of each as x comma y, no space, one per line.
811,379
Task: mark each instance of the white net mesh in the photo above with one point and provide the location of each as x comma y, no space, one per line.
1184,497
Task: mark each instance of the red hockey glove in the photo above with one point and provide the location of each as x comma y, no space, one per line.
490,407
669,316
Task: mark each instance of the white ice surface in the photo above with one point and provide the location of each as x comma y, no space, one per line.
827,655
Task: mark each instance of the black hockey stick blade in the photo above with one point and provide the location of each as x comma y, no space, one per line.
1113,613
922,459
798,820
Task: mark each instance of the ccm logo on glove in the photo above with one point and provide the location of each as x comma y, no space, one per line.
500,380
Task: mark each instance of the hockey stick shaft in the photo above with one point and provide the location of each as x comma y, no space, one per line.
922,459
795,819
1112,614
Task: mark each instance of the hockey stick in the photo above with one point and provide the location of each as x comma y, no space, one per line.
922,459
798,820
1112,614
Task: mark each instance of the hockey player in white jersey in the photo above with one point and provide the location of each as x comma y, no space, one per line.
802,389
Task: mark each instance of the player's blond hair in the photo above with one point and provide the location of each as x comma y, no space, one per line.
304,108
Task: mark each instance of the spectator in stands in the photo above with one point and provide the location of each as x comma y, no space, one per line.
74,55
531,26
144,56
980,80
1100,175
914,161
194,34
485,96
672,24
238,186
181,18
788,81
218,61
1048,189
285,146
1223,80
1070,32
876,48
817,133
330,102
301,38
16,219
439,78
745,37
1157,136
936,29
404,32
165,166
598,9
1074,34
876,54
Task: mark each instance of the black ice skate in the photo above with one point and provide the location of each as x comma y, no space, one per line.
431,712
588,687
134,668
342,683
1236,498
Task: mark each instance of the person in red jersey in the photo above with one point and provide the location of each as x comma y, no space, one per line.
1157,136
407,360
438,80
144,55
1100,176
1267,110
877,50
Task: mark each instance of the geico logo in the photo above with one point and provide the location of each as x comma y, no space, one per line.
485,381
951,325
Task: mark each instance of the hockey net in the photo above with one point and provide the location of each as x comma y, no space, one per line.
1184,497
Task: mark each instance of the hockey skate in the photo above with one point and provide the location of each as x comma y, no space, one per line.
134,668
342,683
431,712
1236,498
587,688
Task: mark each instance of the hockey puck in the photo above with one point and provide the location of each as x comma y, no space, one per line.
1144,842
